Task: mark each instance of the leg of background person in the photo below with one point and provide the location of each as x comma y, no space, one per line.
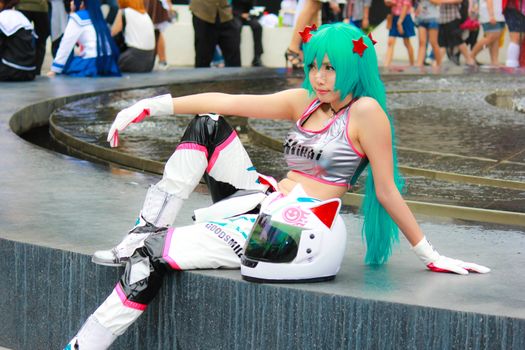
464,50
494,51
410,50
390,51
308,14
433,39
43,30
161,49
229,40
422,49
205,41
513,50
487,40
257,41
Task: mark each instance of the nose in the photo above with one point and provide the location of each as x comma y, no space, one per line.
319,76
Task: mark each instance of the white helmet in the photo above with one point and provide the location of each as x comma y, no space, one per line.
296,238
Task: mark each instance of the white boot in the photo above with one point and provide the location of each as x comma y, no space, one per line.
513,55
92,336
159,211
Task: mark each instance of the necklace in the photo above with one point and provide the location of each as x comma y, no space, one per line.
335,112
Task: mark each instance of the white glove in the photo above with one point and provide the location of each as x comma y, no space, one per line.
440,263
160,105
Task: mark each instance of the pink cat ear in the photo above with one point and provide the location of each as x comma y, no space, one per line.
327,211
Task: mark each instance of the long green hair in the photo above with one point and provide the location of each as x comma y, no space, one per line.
359,76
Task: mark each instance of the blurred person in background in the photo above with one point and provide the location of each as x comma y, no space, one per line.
136,33
17,49
37,11
214,25
242,16
87,48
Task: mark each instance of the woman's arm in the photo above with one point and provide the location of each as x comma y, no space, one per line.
117,24
374,136
71,35
285,105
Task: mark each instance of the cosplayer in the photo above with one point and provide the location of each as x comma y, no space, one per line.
17,44
95,53
340,125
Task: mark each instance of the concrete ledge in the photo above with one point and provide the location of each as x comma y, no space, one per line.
198,311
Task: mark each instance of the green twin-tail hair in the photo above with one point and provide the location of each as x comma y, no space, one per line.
358,76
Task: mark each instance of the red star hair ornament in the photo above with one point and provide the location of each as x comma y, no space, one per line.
370,37
359,46
305,34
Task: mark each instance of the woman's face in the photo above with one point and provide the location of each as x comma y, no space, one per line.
322,80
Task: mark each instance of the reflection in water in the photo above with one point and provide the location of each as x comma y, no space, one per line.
442,123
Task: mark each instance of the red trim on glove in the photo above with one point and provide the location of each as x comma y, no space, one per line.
432,267
145,113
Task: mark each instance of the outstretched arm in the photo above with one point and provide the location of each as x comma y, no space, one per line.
374,137
281,105
285,105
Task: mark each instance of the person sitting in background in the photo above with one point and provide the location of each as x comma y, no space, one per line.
17,50
241,15
138,33
97,53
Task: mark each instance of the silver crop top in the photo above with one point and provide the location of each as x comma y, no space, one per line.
326,155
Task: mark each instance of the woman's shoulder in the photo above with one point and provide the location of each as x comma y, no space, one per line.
367,110
81,17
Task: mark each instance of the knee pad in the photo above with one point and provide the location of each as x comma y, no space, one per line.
208,130
145,270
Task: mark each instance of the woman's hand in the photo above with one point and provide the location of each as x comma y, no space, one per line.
51,74
160,105
439,263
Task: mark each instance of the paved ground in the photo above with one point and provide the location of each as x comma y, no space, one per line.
58,201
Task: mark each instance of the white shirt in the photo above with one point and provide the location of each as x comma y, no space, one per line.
139,31
484,12
79,30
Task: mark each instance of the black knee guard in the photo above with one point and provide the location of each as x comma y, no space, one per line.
146,257
210,131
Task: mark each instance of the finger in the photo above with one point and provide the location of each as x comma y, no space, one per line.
475,268
114,140
111,132
444,267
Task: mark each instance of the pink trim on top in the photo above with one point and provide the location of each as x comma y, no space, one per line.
348,139
166,250
321,180
193,146
307,110
126,302
218,150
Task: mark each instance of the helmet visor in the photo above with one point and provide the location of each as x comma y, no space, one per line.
272,241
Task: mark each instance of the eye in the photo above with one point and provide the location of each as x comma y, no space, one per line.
329,67
312,66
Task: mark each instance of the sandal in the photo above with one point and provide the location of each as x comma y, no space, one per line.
293,58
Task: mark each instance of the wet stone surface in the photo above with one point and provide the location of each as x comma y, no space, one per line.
442,123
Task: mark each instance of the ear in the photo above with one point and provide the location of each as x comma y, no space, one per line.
327,211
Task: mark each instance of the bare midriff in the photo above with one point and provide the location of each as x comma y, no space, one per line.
312,187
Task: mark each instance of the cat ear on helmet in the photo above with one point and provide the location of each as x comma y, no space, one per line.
327,211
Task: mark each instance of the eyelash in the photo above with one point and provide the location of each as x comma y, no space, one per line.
327,67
